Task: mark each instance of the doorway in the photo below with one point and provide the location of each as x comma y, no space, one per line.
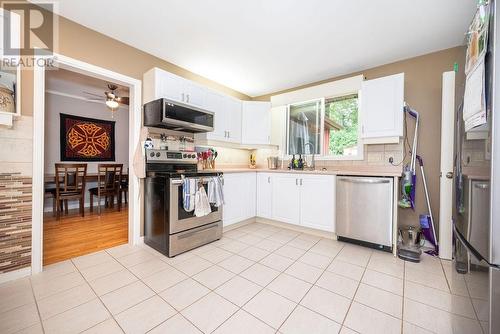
114,227
81,129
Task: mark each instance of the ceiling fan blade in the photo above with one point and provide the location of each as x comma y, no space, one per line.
93,94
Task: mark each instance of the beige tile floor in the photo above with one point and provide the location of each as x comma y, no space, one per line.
256,279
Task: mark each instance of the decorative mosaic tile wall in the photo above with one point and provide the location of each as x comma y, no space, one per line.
15,222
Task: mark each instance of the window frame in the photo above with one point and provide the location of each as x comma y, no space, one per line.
321,156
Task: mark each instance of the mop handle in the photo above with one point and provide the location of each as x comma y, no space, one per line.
421,163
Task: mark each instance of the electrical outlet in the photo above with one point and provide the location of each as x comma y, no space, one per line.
391,160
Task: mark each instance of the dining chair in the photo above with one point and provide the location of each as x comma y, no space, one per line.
124,187
108,185
70,185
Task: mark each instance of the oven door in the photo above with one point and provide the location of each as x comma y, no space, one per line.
180,219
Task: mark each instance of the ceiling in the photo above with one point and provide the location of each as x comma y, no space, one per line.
261,46
79,85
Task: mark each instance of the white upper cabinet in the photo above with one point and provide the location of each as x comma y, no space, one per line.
256,123
233,120
382,102
278,127
194,94
264,195
215,103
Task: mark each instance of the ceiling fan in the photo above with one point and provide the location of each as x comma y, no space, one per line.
111,98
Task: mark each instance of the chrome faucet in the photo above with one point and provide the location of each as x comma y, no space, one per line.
313,161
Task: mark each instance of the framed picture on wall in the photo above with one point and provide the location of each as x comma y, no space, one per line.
86,139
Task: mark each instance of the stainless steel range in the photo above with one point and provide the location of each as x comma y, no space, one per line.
168,228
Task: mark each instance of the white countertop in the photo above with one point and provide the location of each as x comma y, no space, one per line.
339,170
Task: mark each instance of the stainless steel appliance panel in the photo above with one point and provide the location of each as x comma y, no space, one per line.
184,241
173,115
365,209
181,220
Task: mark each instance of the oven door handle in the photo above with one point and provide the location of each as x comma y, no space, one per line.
179,182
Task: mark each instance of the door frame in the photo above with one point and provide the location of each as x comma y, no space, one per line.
135,118
445,238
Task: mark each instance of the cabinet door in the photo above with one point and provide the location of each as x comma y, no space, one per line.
317,201
215,103
239,197
285,195
278,127
264,195
256,122
382,102
194,94
233,210
169,86
249,199
233,119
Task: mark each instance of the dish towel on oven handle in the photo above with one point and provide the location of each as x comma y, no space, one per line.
215,191
201,204
188,193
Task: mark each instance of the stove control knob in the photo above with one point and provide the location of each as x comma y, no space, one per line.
157,154
152,154
192,156
185,155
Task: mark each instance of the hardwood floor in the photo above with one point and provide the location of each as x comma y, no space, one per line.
73,235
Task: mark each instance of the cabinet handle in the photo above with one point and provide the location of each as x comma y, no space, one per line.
300,181
268,179
187,98
182,97
229,134
296,182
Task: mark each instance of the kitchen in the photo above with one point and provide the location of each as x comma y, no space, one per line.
299,205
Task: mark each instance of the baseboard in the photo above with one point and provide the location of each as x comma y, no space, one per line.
238,224
302,229
12,275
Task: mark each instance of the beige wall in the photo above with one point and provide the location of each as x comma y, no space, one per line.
423,77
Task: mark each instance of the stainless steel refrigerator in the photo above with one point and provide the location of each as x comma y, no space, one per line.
475,272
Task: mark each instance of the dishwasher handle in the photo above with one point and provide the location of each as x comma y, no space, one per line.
363,180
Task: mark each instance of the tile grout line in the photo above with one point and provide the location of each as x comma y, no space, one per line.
404,297
312,285
262,288
99,298
355,292
156,294
37,308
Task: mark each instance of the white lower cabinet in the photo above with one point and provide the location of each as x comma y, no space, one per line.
317,201
239,197
300,199
264,195
303,199
285,198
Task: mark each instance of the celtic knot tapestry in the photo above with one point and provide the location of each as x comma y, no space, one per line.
87,139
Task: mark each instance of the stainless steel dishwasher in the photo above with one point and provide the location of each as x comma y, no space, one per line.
364,210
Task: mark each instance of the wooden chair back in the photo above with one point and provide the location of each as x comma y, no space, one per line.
109,177
70,178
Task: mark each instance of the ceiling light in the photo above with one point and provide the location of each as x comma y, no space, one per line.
112,104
